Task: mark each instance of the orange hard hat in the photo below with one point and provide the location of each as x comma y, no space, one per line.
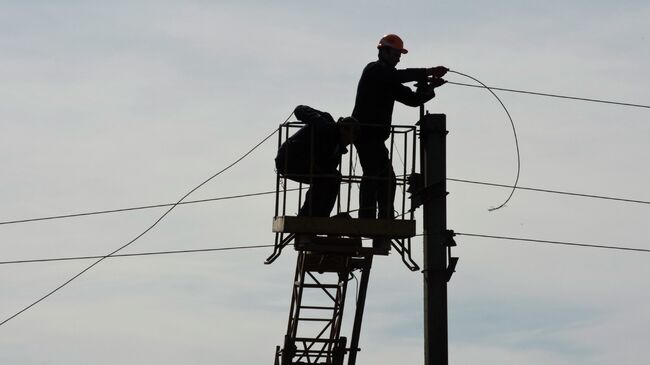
392,41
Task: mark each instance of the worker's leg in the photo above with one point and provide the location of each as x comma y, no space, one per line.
322,194
386,193
368,190
378,182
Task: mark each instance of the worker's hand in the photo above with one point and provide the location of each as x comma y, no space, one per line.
433,83
437,72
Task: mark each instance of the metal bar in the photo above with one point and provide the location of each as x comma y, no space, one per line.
337,316
307,348
388,178
299,195
277,177
338,196
301,277
277,250
351,173
277,356
284,189
322,350
308,351
311,170
321,286
310,319
320,340
358,315
324,287
412,212
404,170
318,307
278,237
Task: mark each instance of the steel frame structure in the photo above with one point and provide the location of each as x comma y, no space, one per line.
327,261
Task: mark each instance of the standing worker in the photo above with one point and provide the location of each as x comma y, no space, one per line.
312,156
381,84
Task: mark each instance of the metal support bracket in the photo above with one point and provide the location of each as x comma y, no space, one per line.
452,267
421,194
449,238
403,247
280,243
449,243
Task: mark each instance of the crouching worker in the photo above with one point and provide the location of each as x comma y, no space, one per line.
312,156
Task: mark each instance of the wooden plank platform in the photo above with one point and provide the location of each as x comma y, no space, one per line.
351,227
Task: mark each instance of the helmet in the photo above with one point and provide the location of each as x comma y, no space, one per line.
392,41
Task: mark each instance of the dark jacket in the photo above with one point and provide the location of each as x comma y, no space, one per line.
379,87
320,138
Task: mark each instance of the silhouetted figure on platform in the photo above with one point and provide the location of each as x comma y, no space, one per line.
312,156
381,84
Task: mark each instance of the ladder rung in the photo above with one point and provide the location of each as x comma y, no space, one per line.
317,307
313,352
320,286
315,319
318,340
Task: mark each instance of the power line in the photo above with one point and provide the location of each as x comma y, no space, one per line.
541,190
553,191
74,215
244,247
514,131
555,95
73,258
144,232
554,242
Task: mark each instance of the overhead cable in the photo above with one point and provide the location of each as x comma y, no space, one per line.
514,131
73,258
145,231
593,196
554,242
247,247
74,215
541,190
554,95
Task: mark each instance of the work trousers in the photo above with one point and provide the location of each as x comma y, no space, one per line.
324,182
378,183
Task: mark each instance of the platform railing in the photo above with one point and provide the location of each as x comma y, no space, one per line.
289,195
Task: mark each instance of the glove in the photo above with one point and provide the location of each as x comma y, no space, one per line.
437,72
433,83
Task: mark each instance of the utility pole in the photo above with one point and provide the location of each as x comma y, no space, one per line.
437,239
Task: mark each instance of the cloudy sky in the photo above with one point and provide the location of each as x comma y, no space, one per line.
109,105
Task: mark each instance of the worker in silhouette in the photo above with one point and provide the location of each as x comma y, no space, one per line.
380,85
312,156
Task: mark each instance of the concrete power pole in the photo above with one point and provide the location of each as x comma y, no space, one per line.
437,239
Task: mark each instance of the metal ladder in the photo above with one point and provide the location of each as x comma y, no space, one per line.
318,300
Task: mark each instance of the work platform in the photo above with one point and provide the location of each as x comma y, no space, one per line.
351,227
344,235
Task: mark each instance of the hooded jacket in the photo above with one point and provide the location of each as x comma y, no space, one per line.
319,138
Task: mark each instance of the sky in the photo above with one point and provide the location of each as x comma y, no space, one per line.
109,105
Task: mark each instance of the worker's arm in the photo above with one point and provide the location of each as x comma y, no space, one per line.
406,96
420,74
410,74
